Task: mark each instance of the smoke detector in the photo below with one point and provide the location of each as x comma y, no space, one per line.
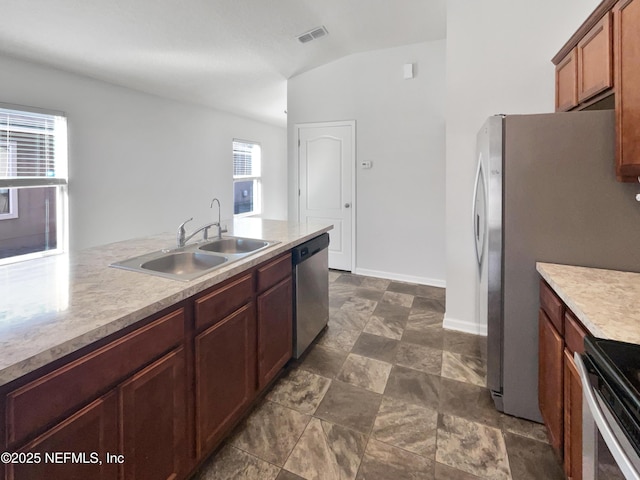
317,32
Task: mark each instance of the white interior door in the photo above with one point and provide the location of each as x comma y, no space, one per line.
326,163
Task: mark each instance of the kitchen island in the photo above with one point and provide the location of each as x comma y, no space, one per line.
152,370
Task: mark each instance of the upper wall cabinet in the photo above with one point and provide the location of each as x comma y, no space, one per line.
584,66
627,78
567,82
595,72
600,59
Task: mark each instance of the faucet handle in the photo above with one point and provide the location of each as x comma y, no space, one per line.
181,227
182,233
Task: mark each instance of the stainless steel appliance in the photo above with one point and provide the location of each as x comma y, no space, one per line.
545,191
311,262
610,375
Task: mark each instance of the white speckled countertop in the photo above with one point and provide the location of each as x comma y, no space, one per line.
53,306
605,301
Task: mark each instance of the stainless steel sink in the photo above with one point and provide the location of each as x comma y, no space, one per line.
195,260
183,263
235,245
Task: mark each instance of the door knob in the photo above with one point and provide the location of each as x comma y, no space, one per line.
347,205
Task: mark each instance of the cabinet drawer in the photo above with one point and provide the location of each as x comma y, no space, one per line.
552,306
273,272
574,333
36,405
215,306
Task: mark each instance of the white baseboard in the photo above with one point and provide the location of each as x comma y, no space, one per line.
401,278
464,326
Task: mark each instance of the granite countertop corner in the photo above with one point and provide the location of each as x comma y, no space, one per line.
605,301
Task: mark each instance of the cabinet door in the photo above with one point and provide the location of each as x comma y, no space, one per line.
275,330
225,375
595,72
550,387
572,419
92,429
567,82
154,420
627,79
47,400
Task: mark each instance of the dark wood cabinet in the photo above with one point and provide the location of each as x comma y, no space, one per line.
92,429
572,418
36,405
559,387
584,65
574,335
602,58
627,78
550,378
595,54
275,330
225,375
567,82
153,415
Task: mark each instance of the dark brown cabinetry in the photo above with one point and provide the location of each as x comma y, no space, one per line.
559,386
627,79
600,59
138,429
154,420
595,53
92,429
584,65
275,322
275,318
567,82
550,372
161,397
225,375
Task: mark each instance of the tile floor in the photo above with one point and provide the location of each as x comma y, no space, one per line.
385,394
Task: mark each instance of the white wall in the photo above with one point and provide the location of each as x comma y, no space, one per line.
498,61
400,128
140,164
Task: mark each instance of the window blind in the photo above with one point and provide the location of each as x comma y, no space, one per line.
35,146
246,159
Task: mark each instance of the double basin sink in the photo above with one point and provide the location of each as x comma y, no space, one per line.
195,260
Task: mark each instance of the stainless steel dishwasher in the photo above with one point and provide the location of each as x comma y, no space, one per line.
311,312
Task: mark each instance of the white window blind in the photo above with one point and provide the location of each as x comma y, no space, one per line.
247,192
246,159
39,148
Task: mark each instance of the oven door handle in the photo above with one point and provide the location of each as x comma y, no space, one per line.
589,395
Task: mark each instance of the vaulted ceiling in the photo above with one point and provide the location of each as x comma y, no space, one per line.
233,55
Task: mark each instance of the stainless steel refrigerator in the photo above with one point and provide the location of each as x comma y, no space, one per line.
545,191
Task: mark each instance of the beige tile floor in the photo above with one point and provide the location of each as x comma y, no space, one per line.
385,394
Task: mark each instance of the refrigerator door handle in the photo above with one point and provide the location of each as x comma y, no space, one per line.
475,219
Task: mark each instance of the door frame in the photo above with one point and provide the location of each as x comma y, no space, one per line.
354,203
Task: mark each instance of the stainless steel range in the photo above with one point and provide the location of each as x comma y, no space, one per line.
610,374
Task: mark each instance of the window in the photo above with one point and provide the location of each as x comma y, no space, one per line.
33,183
246,178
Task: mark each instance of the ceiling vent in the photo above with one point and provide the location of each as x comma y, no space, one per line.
313,34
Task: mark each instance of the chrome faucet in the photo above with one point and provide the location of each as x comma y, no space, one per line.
183,238
220,229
